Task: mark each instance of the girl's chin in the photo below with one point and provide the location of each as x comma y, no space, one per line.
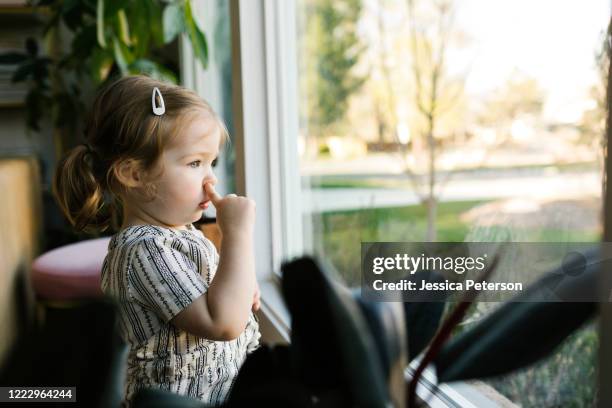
198,215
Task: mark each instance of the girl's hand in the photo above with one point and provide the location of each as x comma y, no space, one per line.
256,299
234,214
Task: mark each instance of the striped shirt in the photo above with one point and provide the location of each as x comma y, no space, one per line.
153,273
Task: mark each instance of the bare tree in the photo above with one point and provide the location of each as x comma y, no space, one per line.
386,74
435,93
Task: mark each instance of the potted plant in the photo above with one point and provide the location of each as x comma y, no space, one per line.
90,41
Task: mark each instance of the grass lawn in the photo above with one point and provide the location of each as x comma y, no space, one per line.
338,234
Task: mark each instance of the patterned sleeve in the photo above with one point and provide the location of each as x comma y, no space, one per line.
164,278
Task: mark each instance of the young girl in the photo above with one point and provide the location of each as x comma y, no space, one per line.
185,311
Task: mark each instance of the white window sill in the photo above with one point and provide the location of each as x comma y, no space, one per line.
463,394
275,321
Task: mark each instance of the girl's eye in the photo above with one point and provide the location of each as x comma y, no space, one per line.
214,163
195,164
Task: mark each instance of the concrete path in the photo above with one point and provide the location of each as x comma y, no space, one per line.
565,185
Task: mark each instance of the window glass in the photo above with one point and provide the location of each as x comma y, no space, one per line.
214,83
456,121
223,58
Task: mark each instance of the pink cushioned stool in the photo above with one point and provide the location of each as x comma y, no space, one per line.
70,272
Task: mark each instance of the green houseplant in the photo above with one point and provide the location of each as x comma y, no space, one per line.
90,41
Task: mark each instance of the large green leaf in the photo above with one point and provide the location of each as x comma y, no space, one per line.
123,56
112,7
196,36
173,22
100,65
155,70
100,24
123,27
141,26
155,20
541,317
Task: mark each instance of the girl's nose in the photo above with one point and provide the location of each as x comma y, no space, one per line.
211,178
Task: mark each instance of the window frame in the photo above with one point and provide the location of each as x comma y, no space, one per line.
266,162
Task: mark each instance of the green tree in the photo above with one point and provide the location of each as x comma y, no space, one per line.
331,49
436,93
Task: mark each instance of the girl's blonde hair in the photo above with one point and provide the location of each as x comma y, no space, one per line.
121,127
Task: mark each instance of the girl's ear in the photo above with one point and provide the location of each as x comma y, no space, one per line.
128,173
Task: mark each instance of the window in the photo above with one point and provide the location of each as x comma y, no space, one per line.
456,121
391,120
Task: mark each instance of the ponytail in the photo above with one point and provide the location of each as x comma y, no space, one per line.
79,193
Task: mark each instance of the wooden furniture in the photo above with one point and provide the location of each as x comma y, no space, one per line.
20,225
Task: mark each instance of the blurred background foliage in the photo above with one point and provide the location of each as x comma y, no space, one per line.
88,42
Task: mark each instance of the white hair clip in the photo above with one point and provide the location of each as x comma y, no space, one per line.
161,109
